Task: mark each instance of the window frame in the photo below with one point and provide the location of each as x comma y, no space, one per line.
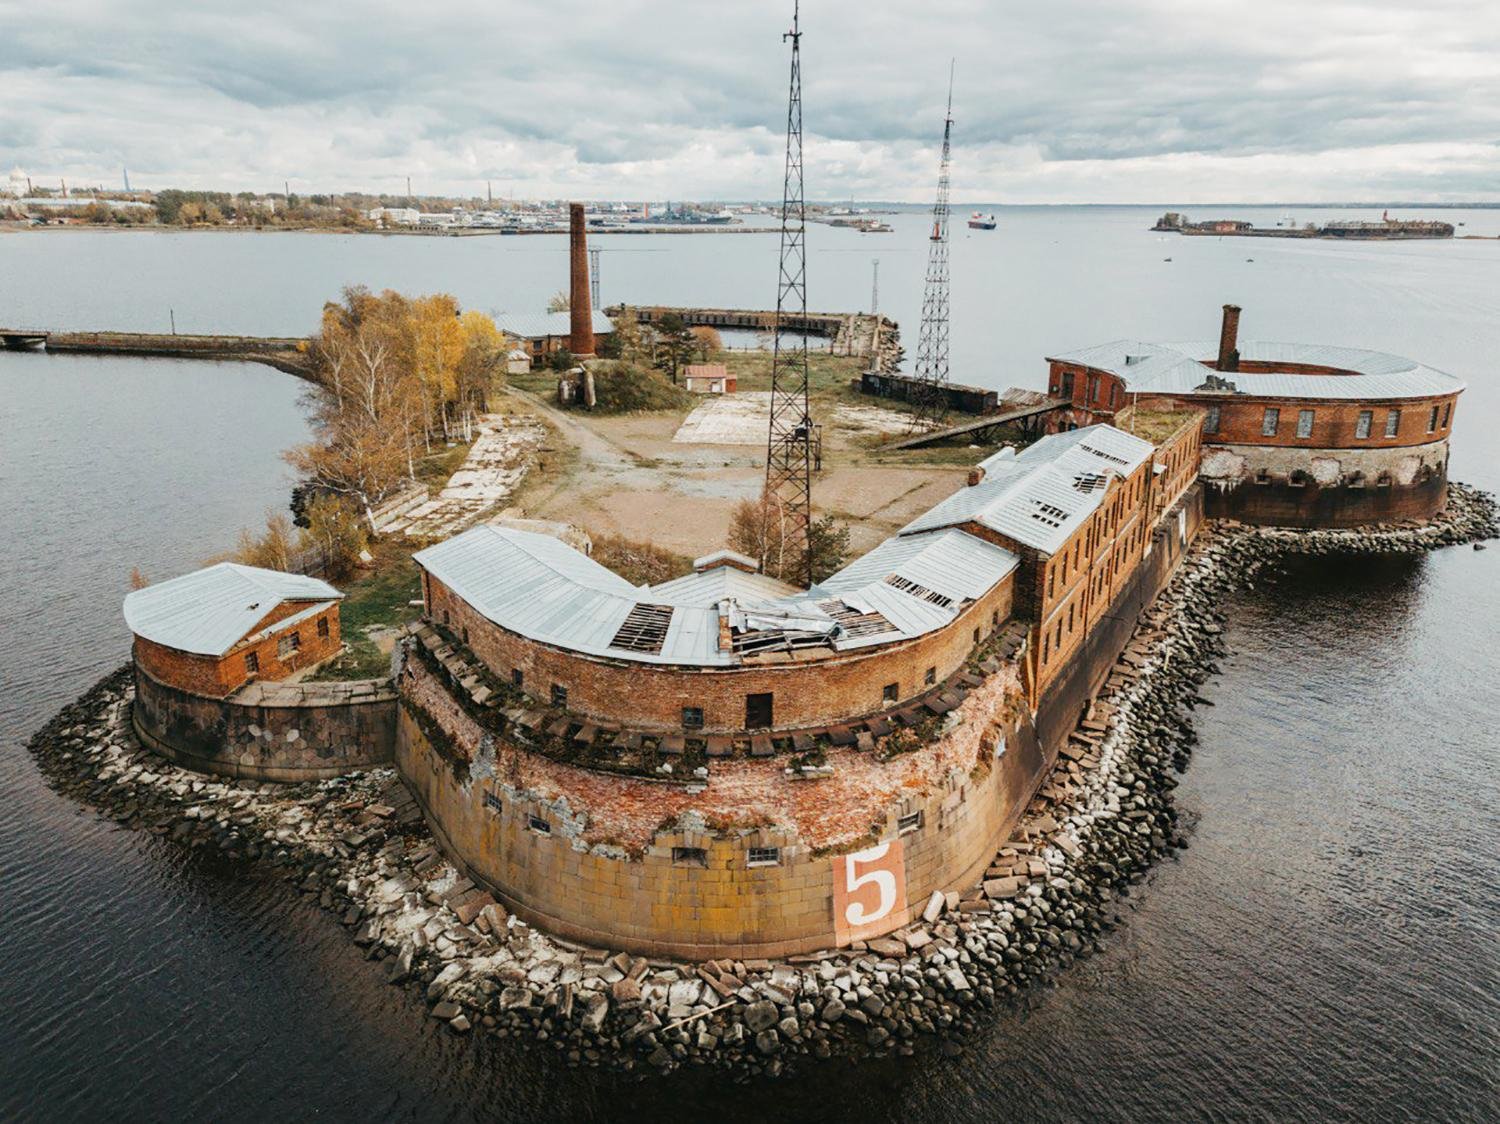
1270,421
1364,425
1305,421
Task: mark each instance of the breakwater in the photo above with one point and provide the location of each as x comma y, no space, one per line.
1052,894
287,354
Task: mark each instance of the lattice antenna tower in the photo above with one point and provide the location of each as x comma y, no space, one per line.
789,445
930,394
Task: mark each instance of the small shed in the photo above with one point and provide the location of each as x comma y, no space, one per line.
708,378
518,361
214,630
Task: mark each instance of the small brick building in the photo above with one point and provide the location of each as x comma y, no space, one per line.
214,630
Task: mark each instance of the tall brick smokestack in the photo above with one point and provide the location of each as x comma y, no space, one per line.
581,337
1229,339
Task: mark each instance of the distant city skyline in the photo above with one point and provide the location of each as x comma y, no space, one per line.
1143,101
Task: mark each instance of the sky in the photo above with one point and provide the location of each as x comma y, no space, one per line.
1062,101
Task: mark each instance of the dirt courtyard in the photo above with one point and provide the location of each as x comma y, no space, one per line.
627,476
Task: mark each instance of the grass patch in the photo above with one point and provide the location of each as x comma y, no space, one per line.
380,597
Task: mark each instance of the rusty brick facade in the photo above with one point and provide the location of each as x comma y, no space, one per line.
318,638
809,688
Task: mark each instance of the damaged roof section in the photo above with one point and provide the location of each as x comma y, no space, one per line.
723,614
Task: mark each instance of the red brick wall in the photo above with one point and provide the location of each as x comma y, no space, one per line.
220,676
1334,423
651,697
1097,393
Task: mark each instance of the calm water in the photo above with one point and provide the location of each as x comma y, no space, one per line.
1325,949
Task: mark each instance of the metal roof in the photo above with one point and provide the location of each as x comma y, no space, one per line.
1182,368
1040,496
537,325
545,590
709,587
209,611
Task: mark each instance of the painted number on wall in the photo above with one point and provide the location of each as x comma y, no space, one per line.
869,891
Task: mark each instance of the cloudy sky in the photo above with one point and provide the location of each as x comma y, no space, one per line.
1057,101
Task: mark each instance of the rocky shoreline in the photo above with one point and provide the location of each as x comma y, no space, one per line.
359,845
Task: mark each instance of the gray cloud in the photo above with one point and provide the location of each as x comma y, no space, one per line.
1073,100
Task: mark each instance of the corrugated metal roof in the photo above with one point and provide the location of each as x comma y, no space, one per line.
1181,368
1039,497
545,590
537,325
709,587
211,610
951,563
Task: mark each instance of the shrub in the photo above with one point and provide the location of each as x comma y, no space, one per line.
643,563
623,388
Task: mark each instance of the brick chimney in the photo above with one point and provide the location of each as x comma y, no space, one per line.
581,336
1229,338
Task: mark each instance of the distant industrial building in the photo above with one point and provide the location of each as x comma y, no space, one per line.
543,333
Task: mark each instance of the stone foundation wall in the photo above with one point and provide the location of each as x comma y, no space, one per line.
1334,488
269,731
599,858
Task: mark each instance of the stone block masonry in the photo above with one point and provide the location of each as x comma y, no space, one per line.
269,731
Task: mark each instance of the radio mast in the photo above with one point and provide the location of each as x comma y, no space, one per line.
929,395
788,448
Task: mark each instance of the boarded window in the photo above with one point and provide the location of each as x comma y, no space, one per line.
689,856
291,642
1432,420
1447,414
692,717
1362,424
910,822
1270,421
492,802
763,856
252,662
1211,422
644,629
322,628
758,711
1304,423
559,695
1392,422
539,825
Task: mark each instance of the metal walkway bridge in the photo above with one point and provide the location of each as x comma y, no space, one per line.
978,427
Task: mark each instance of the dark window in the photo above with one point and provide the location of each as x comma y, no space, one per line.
692,717
1304,423
758,711
1211,423
466,635
1432,420
912,821
1447,414
1392,422
1093,388
288,644
516,678
1362,425
763,856
976,636
689,856
1067,384
252,662
1270,421
931,677
445,618
559,695
492,802
539,825
891,692
322,628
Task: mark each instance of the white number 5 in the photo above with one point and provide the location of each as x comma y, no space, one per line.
855,912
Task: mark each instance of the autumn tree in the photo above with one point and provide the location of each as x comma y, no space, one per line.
272,548
335,535
764,530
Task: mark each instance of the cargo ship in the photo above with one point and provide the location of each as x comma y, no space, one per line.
1386,229
981,222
